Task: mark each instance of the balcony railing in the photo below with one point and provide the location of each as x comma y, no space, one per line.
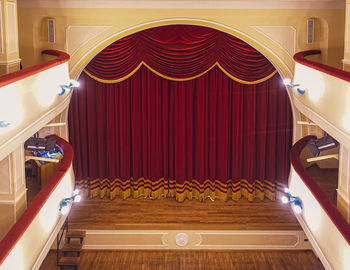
328,230
22,245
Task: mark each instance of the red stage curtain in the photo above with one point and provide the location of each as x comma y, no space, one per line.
180,52
209,136
183,111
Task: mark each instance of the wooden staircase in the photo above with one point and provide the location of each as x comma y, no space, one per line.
71,249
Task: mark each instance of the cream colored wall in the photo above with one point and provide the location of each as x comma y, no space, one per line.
276,33
83,32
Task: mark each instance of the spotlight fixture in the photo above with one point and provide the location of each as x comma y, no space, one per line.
4,124
72,84
288,82
296,203
318,145
66,203
40,144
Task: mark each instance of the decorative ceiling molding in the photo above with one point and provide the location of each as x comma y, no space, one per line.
284,36
186,4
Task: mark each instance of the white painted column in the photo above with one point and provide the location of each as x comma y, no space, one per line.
9,56
346,60
13,199
343,191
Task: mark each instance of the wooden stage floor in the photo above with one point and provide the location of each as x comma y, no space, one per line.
168,214
192,260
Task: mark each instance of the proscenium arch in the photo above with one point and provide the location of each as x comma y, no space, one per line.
275,60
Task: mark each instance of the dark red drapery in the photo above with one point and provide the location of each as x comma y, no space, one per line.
208,136
180,52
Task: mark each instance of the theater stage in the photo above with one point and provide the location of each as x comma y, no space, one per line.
164,223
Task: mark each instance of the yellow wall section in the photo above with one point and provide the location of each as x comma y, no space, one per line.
329,29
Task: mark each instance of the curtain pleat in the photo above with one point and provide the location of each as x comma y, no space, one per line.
182,111
211,136
180,52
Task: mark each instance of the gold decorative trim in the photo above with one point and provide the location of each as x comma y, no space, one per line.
79,65
188,190
179,79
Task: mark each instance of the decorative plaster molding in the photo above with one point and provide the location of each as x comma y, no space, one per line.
183,4
78,67
7,188
11,62
78,35
345,62
283,35
344,195
194,239
344,172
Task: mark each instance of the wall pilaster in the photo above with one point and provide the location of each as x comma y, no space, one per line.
9,55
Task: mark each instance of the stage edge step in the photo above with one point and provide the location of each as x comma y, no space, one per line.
191,239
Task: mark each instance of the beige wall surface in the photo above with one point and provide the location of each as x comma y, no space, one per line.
83,32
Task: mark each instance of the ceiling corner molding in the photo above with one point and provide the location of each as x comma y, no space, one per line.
186,4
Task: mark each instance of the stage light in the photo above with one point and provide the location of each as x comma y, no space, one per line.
287,81
285,199
4,124
75,83
72,84
318,145
40,144
300,89
64,209
77,198
297,208
296,203
66,203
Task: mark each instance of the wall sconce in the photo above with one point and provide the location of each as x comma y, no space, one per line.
72,84
66,203
296,203
4,124
300,89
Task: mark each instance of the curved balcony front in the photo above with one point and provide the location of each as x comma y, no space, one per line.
29,100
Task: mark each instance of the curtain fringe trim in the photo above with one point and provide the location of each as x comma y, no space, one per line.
189,190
